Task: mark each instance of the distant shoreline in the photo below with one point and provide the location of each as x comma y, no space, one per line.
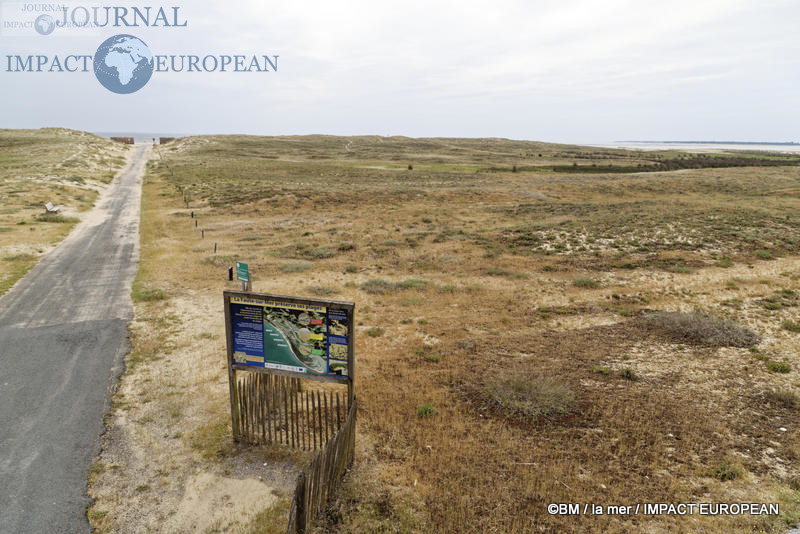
764,143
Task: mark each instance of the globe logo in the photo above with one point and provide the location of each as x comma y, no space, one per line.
44,24
123,64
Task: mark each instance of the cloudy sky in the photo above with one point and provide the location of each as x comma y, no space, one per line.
570,71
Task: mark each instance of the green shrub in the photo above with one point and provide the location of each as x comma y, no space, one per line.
628,374
375,331
321,291
723,471
219,261
599,369
308,251
791,326
141,293
19,257
586,283
412,283
379,287
435,358
426,410
764,254
296,267
55,218
778,367
376,286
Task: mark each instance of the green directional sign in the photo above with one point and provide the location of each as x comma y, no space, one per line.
242,272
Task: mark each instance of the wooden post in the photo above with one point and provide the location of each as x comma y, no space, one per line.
267,396
291,418
262,407
300,503
278,395
285,414
338,417
327,428
231,373
308,427
299,426
319,420
312,418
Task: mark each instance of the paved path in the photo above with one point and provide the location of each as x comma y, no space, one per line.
63,334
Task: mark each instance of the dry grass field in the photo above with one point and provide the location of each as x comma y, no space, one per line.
65,167
536,324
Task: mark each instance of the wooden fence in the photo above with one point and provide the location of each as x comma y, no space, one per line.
275,409
124,140
320,480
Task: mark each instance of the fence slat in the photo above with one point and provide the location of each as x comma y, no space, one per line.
327,429
319,419
285,415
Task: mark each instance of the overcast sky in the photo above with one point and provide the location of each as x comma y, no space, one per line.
569,71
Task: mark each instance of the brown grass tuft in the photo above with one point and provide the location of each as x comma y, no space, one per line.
702,328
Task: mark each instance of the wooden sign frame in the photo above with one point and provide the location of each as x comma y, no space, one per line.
234,366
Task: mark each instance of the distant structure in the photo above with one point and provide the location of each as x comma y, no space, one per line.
165,140
123,140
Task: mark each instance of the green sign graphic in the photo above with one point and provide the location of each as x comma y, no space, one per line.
242,272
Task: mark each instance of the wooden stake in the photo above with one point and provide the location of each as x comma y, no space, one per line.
286,415
267,394
338,416
311,419
327,429
319,419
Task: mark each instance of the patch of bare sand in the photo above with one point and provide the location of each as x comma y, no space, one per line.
164,465
213,503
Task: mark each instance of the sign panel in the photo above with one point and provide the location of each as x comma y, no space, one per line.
312,337
242,272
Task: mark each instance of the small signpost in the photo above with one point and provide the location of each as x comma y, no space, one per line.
242,273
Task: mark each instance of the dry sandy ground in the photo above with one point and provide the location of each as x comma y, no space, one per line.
156,480
159,483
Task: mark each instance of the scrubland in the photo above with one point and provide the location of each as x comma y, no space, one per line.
532,329
65,167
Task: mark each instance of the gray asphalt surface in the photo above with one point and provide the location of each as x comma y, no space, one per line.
63,335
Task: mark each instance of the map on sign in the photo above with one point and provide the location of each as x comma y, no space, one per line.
304,338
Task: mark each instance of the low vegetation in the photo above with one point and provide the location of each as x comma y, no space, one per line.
531,396
702,328
57,165
511,351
